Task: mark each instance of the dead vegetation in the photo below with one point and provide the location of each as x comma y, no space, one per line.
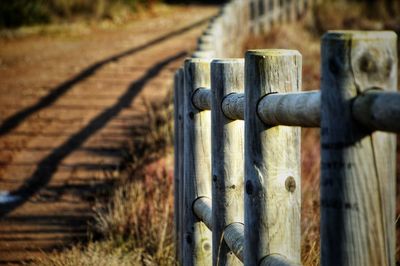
135,222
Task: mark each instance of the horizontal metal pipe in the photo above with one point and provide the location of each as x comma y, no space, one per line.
201,99
378,110
291,109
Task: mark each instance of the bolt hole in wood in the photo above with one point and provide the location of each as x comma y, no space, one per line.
290,184
191,115
188,239
249,187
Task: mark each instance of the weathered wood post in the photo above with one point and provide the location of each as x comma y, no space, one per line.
218,32
228,28
357,165
178,155
260,15
266,16
301,8
272,161
227,157
245,23
242,24
277,12
254,17
197,165
206,43
292,10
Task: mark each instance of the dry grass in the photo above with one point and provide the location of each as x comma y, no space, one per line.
18,13
136,221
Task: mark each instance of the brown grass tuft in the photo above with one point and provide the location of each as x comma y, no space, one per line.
136,221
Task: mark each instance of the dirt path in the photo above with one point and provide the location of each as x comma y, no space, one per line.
67,107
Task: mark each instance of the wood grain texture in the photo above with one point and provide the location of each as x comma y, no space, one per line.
291,109
357,165
227,76
378,110
272,161
197,164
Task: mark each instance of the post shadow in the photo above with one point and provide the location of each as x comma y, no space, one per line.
16,119
48,166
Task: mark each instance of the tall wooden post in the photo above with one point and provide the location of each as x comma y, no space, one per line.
277,18
197,165
272,161
227,157
254,17
266,17
357,165
292,6
178,162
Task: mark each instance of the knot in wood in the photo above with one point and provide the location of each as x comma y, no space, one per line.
290,184
367,63
206,246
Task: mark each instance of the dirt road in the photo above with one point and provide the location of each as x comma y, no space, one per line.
67,108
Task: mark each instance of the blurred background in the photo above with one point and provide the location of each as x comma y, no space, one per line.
15,13
132,218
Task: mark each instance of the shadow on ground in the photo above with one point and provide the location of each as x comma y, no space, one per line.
47,167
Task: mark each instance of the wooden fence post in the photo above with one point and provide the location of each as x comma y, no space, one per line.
197,165
265,19
272,161
246,18
293,10
357,166
254,17
227,157
300,9
277,12
178,162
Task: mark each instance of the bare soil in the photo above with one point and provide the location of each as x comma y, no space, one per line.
68,107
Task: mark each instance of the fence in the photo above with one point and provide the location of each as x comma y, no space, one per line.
238,19
237,146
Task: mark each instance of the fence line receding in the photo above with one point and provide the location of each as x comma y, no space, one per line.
237,149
